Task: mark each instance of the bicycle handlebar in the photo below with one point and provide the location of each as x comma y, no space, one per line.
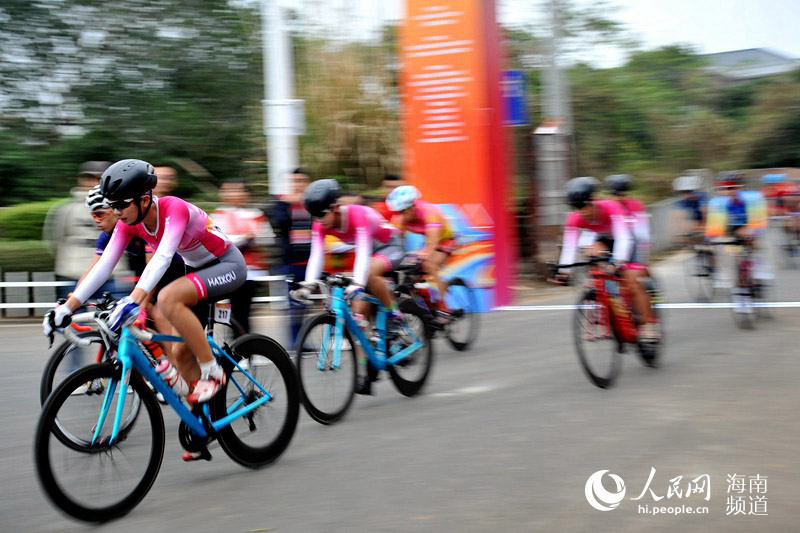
591,261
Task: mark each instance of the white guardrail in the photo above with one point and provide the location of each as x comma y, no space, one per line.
53,284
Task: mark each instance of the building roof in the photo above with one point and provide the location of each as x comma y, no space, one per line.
750,64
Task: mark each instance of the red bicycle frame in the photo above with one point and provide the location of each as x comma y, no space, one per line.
617,305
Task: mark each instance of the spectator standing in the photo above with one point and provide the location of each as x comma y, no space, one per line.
292,225
71,230
167,180
247,228
390,182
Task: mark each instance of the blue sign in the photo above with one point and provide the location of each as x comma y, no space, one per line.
516,110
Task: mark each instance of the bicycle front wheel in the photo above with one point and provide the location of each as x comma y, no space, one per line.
461,300
327,381
69,357
699,274
100,481
260,436
410,374
597,348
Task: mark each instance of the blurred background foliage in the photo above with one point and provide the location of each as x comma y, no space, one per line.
180,81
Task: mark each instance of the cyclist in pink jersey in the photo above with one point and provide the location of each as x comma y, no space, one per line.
378,250
169,225
415,216
635,213
607,221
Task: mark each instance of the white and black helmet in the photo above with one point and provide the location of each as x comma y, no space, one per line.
401,198
687,183
95,199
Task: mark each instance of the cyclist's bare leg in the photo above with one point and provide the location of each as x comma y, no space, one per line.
176,301
376,285
641,302
431,265
162,326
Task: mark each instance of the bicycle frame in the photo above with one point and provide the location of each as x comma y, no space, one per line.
619,308
131,357
344,319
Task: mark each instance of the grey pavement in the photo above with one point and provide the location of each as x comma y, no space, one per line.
503,438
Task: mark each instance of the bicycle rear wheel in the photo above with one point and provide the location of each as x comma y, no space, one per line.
97,482
461,300
410,374
226,333
598,350
327,392
651,352
262,435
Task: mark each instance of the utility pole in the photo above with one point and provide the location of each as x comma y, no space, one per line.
553,136
283,115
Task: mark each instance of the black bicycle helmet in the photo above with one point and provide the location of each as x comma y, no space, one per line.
129,178
618,184
581,190
320,195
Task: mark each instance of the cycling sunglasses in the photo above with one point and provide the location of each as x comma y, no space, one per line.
119,205
101,214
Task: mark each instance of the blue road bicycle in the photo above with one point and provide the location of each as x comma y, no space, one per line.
326,352
96,457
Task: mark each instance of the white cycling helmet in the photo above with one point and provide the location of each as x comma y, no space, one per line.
95,199
402,198
687,183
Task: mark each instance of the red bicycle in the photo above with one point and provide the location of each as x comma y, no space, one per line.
605,323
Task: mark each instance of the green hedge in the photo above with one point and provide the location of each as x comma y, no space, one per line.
25,256
23,222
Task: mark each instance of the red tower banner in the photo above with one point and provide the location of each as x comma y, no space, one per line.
456,149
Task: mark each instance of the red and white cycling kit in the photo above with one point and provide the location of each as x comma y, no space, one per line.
365,228
182,228
428,216
608,223
638,220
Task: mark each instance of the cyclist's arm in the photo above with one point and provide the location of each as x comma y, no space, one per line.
622,239
363,244
641,224
316,257
101,271
175,221
570,245
434,227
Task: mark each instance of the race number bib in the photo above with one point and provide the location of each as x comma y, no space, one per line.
222,313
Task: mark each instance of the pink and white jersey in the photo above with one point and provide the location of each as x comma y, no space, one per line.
608,220
638,219
182,228
361,226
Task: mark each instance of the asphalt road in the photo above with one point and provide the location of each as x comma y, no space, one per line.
503,438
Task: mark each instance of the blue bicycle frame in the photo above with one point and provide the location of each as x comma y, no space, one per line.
131,357
344,318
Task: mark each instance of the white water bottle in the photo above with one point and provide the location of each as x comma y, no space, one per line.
171,377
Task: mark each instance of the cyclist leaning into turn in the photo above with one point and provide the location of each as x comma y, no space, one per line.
423,218
378,250
607,221
169,225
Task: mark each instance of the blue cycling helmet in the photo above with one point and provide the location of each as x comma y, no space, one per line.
771,179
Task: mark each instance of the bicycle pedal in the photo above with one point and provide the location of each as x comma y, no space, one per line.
203,454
